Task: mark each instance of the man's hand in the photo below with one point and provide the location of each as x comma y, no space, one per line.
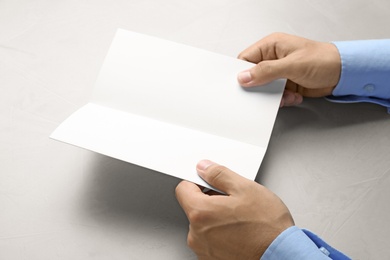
312,68
238,225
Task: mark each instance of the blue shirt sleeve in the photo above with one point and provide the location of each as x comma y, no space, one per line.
365,72
294,243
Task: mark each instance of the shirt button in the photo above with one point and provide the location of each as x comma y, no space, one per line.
369,88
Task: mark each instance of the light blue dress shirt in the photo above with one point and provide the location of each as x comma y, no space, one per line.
365,72
365,77
296,243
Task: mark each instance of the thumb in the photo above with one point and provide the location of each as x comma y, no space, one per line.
263,73
221,177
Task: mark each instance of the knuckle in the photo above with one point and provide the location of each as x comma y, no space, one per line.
194,243
243,56
191,243
196,216
277,36
265,67
263,71
217,172
200,215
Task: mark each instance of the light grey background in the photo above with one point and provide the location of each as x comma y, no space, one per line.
328,162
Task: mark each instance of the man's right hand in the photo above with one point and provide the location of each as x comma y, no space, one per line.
312,68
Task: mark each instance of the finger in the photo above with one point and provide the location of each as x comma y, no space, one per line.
258,53
288,98
253,53
221,177
186,193
298,99
293,100
265,49
263,73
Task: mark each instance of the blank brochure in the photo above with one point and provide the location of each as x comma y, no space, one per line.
165,106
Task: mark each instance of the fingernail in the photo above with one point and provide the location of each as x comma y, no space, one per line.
244,76
204,164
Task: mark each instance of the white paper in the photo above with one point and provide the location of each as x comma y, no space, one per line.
165,106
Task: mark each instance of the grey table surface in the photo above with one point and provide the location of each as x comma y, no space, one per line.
330,163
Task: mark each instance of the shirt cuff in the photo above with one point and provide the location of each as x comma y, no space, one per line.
294,243
356,99
324,247
365,68
365,72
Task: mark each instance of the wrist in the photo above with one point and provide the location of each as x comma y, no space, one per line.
333,62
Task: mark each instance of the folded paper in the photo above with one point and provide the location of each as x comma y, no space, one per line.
165,106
